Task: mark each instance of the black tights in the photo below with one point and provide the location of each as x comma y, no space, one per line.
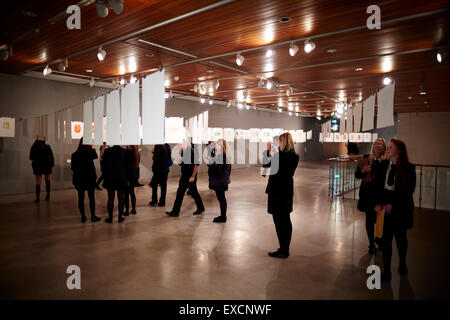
283,226
91,196
129,193
223,203
371,219
120,198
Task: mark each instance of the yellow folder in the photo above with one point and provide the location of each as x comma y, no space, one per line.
379,224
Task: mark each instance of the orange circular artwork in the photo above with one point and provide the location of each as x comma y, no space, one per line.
77,128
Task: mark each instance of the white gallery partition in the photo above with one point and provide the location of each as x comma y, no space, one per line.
153,108
385,103
113,118
357,117
368,113
349,121
87,120
130,114
99,107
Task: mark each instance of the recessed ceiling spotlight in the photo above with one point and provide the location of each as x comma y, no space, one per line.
441,55
209,71
422,91
149,54
387,81
210,101
269,85
332,50
285,19
88,70
293,49
202,100
122,81
409,97
269,53
309,46
101,54
359,69
239,59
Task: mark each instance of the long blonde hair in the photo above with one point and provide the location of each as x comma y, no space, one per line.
372,153
286,142
223,144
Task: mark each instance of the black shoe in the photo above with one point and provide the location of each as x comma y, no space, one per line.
385,277
126,213
279,254
133,211
220,219
172,214
108,220
36,201
372,249
120,220
98,187
403,270
95,219
83,219
197,212
152,203
161,204
47,197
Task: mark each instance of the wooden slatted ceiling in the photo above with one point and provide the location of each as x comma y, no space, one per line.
245,24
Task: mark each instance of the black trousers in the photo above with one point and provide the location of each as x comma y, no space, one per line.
371,219
283,226
223,202
120,199
91,196
129,193
183,185
391,230
162,181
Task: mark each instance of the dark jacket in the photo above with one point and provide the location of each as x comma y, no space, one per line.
401,198
82,164
162,158
280,188
133,178
366,190
188,162
219,173
41,157
116,168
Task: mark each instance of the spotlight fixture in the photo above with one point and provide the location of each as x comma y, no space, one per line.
47,70
296,114
269,53
116,5
318,112
293,49
92,82
260,82
422,90
319,118
279,110
269,85
101,54
166,95
290,113
240,105
254,106
309,46
102,9
288,91
210,101
176,78
122,81
387,81
247,107
195,88
359,69
441,55
239,59
229,104
62,66
202,100
217,84
133,79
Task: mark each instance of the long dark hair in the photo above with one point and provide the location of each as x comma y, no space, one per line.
403,163
134,156
83,147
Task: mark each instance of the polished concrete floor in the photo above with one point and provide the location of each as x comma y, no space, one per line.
152,256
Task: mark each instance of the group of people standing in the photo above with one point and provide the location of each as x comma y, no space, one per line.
387,189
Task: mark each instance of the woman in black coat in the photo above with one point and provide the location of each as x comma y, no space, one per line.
394,190
162,161
116,173
366,170
280,191
84,177
133,182
219,170
42,162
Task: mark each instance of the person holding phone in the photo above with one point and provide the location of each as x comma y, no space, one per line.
366,170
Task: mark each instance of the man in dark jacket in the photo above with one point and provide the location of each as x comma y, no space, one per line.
161,165
116,177
189,166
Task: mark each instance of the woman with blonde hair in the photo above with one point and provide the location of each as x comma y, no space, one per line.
367,169
280,191
219,170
